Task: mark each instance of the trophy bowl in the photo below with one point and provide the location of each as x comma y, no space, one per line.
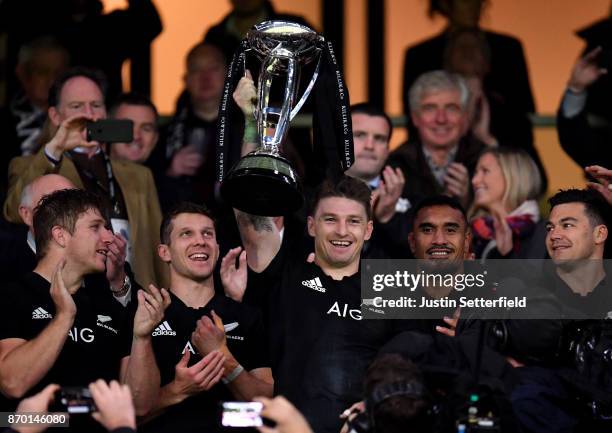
263,184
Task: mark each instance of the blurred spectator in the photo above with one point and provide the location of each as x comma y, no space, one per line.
599,34
140,110
372,130
496,64
396,396
185,163
440,157
127,189
93,39
39,63
505,216
245,14
586,140
18,250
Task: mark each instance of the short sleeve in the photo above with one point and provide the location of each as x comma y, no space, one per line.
15,317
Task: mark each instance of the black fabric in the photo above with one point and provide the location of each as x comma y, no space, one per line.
583,143
420,181
20,125
596,304
16,256
319,345
599,34
93,348
246,342
390,240
93,172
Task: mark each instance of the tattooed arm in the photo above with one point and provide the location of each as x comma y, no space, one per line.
260,237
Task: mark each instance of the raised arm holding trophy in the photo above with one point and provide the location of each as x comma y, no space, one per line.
263,182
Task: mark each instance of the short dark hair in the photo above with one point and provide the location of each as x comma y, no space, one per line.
165,230
94,75
61,208
346,187
132,98
374,111
401,408
195,51
595,207
440,200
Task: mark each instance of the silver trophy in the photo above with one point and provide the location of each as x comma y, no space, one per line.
263,182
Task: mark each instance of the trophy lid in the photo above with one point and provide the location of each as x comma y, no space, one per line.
296,38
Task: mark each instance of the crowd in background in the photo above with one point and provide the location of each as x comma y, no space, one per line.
468,184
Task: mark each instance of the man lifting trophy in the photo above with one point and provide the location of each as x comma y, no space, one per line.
263,182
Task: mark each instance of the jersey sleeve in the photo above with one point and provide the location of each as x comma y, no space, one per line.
262,286
15,316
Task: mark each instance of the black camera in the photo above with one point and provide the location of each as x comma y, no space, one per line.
110,131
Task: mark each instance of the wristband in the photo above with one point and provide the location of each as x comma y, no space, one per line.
250,132
233,375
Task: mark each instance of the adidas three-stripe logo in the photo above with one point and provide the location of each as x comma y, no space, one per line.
40,313
163,329
314,284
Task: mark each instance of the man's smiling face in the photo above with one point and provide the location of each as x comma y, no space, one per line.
440,234
340,226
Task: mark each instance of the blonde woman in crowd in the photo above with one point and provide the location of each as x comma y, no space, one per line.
505,217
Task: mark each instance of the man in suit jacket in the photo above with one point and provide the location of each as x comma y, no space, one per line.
127,189
372,131
441,158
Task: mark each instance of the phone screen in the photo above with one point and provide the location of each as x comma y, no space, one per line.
241,414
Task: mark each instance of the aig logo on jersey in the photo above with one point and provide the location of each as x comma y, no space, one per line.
85,335
163,329
344,311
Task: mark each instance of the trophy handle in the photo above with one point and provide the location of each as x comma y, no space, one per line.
272,117
309,88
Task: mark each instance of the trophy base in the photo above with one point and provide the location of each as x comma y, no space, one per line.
263,184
